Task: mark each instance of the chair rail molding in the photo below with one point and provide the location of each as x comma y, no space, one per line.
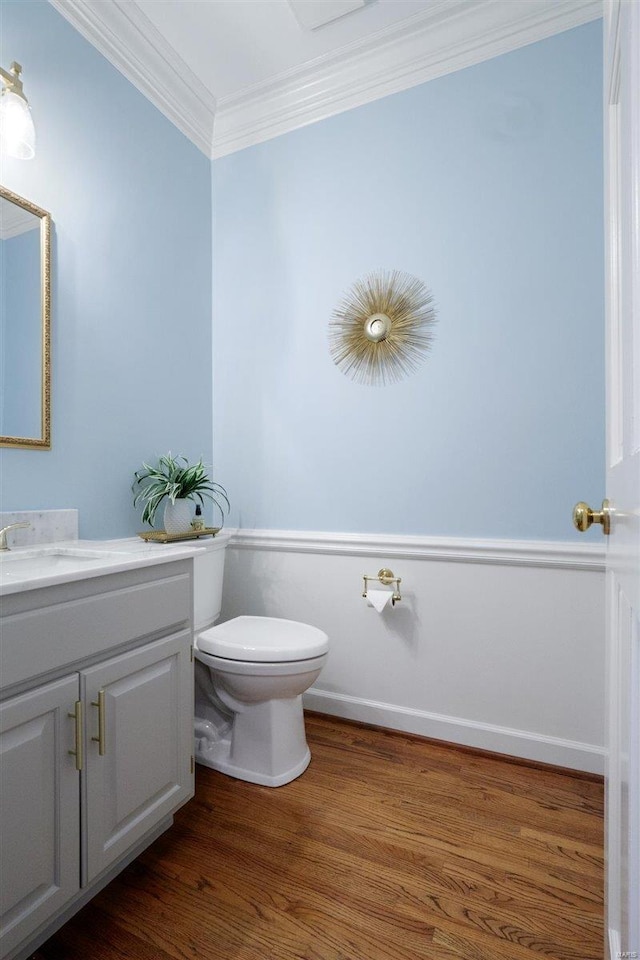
449,35
532,553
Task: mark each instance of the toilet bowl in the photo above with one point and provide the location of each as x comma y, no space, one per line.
250,675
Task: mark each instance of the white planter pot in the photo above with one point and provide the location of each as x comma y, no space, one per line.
177,516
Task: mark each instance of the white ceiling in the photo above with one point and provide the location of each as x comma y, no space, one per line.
234,44
231,73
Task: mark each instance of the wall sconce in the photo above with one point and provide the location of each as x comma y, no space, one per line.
17,133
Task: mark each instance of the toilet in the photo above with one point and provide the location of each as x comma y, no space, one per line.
250,674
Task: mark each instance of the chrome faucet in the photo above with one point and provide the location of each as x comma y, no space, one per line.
3,533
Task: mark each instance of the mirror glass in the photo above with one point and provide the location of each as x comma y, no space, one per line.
25,318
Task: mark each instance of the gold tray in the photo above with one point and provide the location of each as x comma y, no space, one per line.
161,536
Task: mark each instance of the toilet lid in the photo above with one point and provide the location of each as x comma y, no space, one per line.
263,640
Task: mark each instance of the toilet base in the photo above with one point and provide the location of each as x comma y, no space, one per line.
263,743
217,757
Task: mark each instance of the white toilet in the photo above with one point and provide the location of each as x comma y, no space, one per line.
251,673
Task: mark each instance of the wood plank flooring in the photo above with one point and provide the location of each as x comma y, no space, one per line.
387,848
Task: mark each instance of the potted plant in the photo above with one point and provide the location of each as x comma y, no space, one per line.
174,479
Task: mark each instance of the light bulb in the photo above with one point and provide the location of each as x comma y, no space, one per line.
17,132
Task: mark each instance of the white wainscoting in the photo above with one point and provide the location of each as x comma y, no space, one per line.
495,644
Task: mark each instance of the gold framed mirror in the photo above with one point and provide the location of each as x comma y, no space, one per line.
25,323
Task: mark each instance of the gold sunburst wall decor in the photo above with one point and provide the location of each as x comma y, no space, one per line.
382,329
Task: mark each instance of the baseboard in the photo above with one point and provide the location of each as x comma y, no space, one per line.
468,733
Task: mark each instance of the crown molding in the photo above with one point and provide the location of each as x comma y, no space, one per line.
122,33
450,35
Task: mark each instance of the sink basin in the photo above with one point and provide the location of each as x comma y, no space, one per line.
38,562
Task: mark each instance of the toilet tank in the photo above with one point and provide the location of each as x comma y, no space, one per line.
208,574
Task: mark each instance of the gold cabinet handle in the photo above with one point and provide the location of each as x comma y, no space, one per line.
584,516
77,716
100,739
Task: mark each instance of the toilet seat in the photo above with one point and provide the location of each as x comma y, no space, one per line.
263,640
258,668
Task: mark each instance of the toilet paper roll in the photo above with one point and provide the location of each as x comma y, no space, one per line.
378,599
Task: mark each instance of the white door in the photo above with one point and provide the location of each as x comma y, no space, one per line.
622,150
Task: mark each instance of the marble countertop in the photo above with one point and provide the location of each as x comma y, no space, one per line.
49,564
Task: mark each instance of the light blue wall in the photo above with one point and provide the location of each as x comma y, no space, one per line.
130,198
20,303
487,184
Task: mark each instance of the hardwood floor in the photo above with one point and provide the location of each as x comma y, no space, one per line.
387,848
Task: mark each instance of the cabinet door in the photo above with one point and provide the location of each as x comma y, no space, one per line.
141,770
40,808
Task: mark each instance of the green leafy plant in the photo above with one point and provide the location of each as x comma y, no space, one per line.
174,478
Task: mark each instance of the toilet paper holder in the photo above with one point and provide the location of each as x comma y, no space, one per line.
387,577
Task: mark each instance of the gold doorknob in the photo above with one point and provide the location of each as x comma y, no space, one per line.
584,516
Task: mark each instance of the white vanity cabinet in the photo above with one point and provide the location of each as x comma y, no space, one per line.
96,737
